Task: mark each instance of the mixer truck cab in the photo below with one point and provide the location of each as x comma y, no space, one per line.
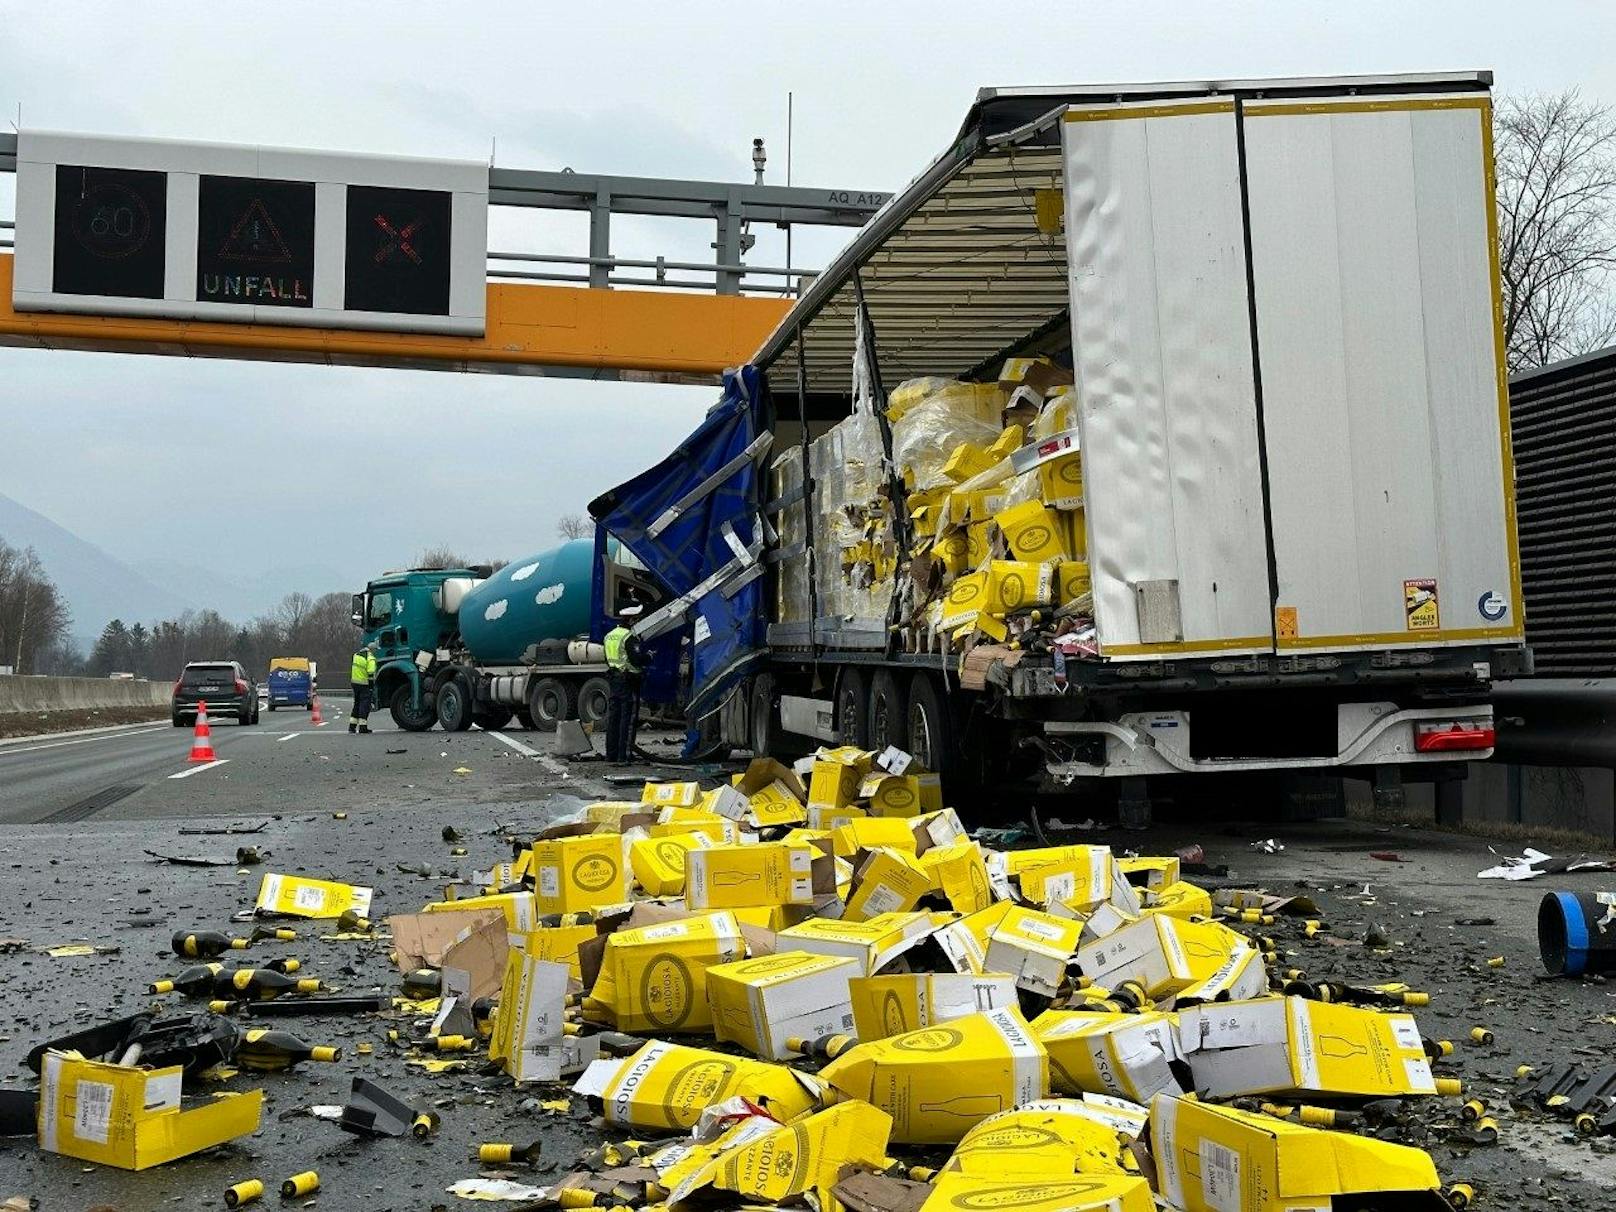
464,646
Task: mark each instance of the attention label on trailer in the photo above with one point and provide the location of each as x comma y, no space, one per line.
1420,605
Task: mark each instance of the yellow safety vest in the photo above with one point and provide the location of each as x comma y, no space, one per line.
617,649
364,668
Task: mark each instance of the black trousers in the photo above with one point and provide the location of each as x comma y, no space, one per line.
622,715
363,699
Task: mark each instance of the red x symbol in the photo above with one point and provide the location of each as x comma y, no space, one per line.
399,239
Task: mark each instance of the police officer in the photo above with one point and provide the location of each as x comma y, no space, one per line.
623,708
363,679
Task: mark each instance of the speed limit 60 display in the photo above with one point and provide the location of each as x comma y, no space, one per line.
110,232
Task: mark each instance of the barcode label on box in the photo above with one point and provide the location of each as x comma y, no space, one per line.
1220,1177
312,899
93,1119
549,881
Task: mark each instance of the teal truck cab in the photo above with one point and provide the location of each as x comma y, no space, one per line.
464,646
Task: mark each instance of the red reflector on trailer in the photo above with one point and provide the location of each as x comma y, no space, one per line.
1445,738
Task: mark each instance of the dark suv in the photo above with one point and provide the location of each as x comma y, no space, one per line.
224,686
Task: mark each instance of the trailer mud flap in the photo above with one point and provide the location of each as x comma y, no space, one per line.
694,521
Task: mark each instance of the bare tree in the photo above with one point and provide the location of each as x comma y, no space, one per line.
574,526
441,556
1556,165
34,616
291,612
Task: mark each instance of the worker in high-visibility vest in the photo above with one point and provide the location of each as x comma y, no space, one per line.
623,707
363,681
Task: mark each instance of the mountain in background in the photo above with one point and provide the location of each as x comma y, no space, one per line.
99,587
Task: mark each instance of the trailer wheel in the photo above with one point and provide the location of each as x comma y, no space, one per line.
406,716
550,701
930,735
594,698
763,718
853,707
887,712
454,704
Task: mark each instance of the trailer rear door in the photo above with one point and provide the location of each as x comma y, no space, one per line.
1384,397
1293,404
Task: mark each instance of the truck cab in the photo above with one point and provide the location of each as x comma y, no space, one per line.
405,614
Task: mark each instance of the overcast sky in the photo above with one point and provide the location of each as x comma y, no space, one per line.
369,466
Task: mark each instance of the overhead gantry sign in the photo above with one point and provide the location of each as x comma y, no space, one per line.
155,246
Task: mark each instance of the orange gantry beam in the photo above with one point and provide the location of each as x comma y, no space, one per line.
532,329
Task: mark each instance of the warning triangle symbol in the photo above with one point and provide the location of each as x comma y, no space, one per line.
255,238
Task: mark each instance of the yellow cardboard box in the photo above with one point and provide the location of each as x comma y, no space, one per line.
1151,871
967,460
558,945
1296,1046
528,1034
1033,532
959,872
1034,948
654,978
1079,1193
938,1081
295,896
691,820
833,784
809,1155
584,872
1085,877
891,794
764,873
1060,481
1211,1158
1180,900
828,819
1016,585
1072,580
123,1116
887,881
762,1002
676,795
966,598
1169,957
668,1086
1131,1056
884,1006
659,862
978,543
611,812
518,908
952,549
1055,1138
874,943
866,833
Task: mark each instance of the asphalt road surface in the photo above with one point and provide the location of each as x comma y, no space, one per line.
88,879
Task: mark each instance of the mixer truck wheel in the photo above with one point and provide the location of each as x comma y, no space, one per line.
550,701
454,704
406,716
593,697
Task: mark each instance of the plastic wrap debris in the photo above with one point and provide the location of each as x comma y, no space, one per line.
495,1189
1533,863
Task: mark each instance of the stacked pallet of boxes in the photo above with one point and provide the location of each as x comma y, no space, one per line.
836,911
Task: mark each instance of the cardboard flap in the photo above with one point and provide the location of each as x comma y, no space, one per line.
420,939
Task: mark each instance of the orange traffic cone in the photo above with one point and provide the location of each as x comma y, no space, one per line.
202,742
314,717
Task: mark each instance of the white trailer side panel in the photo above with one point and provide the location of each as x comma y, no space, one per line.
1162,339
1385,408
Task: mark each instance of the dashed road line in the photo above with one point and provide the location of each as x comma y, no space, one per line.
185,774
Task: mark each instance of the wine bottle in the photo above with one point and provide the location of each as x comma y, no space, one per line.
260,984
193,982
826,1047
270,1051
423,982
205,944
499,1154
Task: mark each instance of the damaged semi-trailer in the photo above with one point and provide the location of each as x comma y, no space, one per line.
1154,432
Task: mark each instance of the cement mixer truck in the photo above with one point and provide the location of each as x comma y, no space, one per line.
464,646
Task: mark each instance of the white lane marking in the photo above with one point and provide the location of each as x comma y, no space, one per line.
289,736
185,774
548,761
83,740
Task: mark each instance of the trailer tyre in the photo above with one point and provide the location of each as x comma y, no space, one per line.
405,716
853,708
887,712
550,701
930,735
594,696
763,728
454,704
